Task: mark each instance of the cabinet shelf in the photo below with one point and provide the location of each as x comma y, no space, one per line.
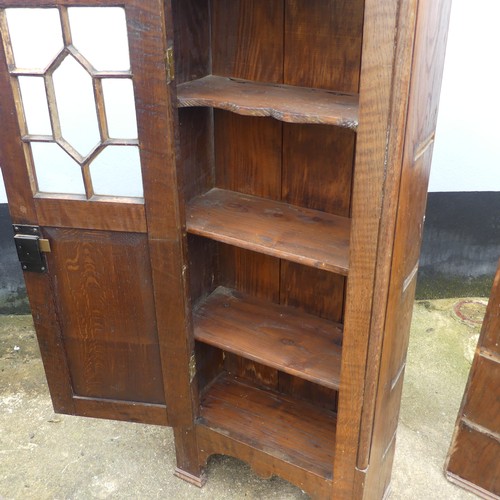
278,336
306,236
281,426
283,102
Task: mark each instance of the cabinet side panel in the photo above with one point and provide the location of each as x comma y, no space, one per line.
195,152
482,404
323,43
430,44
474,461
379,34
247,39
490,332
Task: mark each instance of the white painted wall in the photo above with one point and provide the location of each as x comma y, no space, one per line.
3,195
467,149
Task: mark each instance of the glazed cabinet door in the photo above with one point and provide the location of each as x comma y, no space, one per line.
87,156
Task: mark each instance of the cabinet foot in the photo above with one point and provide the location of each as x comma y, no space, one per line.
190,478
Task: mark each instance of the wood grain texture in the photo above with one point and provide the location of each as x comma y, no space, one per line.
280,426
318,167
150,34
474,463
245,44
245,41
301,235
209,364
395,150
282,102
248,160
248,154
482,403
118,215
249,272
379,32
323,43
195,157
427,68
127,411
313,291
192,39
101,215
203,268
309,392
96,277
262,463
317,174
277,336
257,275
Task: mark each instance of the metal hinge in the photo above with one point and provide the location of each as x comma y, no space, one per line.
169,65
31,248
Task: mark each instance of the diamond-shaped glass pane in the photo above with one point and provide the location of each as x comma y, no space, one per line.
117,172
100,34
76,106
35,105
120,108
56,171
36,36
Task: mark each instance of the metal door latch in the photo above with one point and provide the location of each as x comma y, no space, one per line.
31,248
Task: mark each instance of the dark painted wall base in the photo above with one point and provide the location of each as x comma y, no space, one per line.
13,298
461,245
460,250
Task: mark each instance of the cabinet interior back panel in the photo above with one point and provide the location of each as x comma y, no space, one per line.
245,41
318,45
322,43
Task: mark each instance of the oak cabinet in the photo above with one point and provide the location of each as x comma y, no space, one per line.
285,148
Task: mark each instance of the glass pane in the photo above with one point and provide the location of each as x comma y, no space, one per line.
76,106
120,108
3,194
100,34
117,172
35,105
55,170
36,36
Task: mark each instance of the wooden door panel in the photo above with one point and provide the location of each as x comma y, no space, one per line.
104,295
103,311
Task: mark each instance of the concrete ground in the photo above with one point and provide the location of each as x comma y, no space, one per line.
49,456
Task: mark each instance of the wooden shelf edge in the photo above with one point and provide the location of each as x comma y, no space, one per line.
309,237
285,428
286,103
277,336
